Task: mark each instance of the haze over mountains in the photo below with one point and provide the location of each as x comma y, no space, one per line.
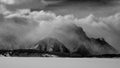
47,31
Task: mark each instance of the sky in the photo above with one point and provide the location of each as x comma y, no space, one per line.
98,18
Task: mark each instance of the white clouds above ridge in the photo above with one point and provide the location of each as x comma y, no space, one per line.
40,23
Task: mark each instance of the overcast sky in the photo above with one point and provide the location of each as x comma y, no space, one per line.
99,18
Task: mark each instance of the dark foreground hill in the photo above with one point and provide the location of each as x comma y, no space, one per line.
37,53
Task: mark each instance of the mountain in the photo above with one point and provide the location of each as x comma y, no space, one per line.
51,45
83,45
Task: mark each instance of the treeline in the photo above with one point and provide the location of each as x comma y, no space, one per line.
38,53
30,53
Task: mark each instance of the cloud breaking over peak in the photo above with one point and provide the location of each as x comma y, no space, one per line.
29,27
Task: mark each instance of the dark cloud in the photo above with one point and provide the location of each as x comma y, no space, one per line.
90,0
104,2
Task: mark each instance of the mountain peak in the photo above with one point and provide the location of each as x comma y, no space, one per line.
51,45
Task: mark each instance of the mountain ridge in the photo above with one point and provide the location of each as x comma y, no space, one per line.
85,45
